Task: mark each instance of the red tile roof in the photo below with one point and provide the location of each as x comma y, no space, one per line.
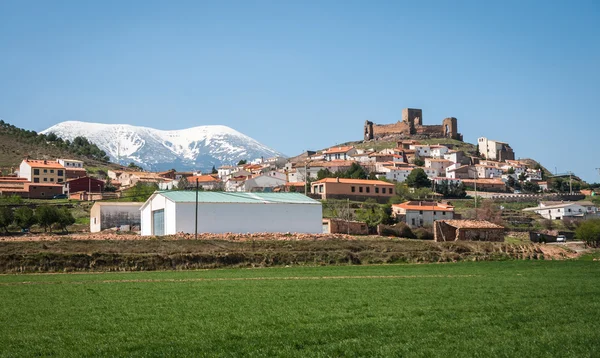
43,164
202,179
353,181
424,206
334,150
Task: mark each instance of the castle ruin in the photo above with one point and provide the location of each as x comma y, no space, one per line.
412,126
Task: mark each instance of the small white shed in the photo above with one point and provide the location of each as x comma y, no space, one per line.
171,212
107,215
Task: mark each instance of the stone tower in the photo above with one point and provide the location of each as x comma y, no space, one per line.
369,130
413,117
450,128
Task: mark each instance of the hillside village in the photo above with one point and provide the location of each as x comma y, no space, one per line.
429,175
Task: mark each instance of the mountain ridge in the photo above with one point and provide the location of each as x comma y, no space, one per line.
200,147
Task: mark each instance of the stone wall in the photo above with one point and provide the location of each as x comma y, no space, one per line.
339,226
412,124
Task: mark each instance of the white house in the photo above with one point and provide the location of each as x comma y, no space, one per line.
339,153
422,213
398,174
495,150
168,213
107,215
224,171
559,211
70,163
439,165
438,151
422,150
488,171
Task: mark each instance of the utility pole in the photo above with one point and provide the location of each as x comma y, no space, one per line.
348,222
196,217
475,182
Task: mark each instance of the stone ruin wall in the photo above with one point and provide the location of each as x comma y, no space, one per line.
411,126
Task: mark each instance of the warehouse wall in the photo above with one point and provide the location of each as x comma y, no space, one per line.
249,218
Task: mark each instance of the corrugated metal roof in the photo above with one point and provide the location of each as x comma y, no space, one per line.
231,197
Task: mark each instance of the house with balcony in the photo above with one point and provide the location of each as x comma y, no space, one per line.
422,213
339,153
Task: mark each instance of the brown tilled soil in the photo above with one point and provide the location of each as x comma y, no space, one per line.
124,252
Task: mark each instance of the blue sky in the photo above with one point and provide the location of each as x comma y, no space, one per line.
299,75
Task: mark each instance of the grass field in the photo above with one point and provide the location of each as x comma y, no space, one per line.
511,308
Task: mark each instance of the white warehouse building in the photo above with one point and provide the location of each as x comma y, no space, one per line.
171,212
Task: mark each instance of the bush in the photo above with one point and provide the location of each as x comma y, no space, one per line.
398,230
589,232
64,219
423,233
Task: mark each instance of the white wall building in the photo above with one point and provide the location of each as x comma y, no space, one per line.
108,215
70,163
554,211
495,150
488,171
438,151
422,213
168,213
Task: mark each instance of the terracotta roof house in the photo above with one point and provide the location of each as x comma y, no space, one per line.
422,213
339,153
42,171
355,189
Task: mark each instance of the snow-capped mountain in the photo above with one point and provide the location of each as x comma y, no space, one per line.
153,149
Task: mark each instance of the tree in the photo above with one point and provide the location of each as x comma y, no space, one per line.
183,183
24,217
418,179
510,170
324,173
214,170
589,232
418,161
51,137
6,217
242,162
134,166
373,214
46,216
64,219
531,187
451,189
523,176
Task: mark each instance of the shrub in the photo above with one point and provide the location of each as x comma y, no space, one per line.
423,233
589,232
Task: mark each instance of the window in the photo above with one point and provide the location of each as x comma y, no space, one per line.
60,173
368,189
45,179
360,189
51,179
353,189
443,213
383,190
36,180
391,191
413,221
45,170
434,213
421,212
51,170
36,172
376,190
43,194
59,180
569,210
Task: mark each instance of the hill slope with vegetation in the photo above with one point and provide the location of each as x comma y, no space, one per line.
17,143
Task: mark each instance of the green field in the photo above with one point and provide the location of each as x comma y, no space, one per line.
510,308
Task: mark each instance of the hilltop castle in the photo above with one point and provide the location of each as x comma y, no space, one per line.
412,125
